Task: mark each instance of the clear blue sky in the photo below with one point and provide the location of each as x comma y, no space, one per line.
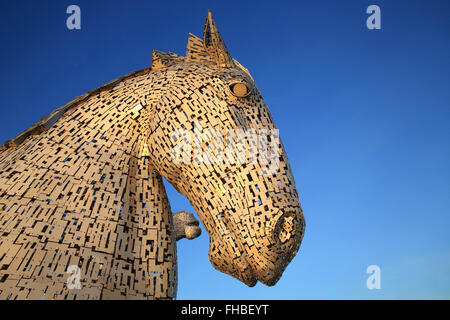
364,116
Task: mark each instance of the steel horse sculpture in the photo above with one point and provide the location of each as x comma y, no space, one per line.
83,209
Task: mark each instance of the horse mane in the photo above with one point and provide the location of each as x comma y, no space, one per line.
196,52
159,60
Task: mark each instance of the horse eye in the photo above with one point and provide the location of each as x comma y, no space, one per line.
239,89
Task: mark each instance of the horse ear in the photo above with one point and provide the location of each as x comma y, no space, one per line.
162,60
214,45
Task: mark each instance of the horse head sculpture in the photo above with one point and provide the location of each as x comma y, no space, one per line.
211,142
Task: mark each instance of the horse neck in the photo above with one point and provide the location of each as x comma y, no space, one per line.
88,178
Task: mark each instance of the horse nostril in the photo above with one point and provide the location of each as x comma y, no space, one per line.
285,227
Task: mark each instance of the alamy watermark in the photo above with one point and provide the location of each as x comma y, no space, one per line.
212,146
74,280
73,22
374,20
374,280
